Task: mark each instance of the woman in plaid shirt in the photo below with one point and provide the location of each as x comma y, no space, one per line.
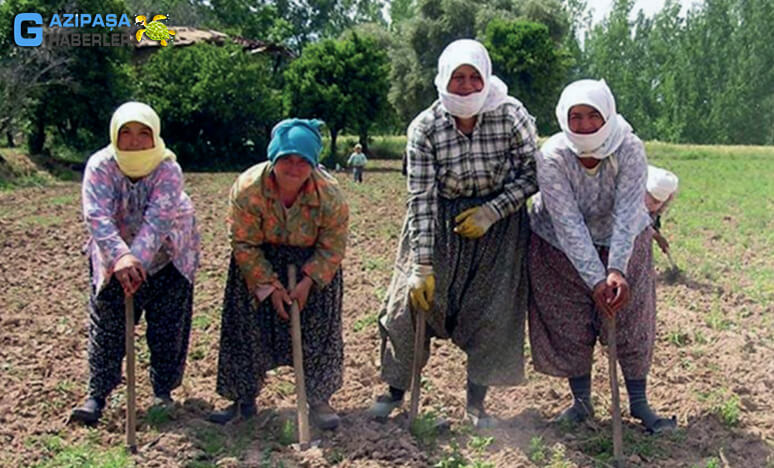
471,167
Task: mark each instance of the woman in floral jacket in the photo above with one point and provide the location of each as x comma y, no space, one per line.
143,243
281,212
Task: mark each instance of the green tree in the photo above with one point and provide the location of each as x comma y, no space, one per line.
71,110
343,82
524,55
216,103
400,11
706,78
439,22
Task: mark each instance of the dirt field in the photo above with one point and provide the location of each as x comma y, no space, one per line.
713,365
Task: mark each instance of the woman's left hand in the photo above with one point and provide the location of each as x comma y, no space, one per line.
301,292
617,283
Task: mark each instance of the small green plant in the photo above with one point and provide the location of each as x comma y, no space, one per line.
678,338
285,388
699,337
334,457
380,292
201,322
158,416
198,354
480,444
376,263
453,459
537,450
423,428
716,320
211,441
558,457
287,434
365,322
728,410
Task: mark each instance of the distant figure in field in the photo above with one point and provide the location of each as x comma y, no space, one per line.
661,189
462,250
590,256
143,243
284,212
357,161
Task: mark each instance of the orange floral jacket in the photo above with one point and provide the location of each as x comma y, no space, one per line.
257,219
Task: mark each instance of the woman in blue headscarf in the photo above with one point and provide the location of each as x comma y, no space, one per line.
281,212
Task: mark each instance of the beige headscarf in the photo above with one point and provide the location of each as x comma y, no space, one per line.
138,164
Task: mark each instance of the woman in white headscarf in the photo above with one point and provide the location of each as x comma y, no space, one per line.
143,243
590,251
661,189
471,167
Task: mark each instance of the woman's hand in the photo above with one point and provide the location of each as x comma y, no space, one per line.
662,242
602,295
619,287
301,292
129,272
280,297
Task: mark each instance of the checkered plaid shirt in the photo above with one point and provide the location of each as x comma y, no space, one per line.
498,158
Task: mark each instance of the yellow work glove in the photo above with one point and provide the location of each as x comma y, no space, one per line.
474,222
422,287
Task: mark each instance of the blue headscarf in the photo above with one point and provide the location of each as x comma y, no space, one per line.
296,136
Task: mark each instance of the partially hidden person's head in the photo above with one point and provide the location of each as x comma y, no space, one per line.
661,188
135,138
294,151
587,115
464,77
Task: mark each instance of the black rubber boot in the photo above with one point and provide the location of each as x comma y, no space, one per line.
246,409
581,408
88,413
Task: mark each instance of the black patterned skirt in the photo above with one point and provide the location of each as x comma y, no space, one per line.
254,340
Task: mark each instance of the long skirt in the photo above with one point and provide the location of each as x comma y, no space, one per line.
167,300
480,299
254,340
564,323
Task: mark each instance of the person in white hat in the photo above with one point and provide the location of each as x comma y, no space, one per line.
661,189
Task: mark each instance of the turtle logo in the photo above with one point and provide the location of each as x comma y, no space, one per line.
155,30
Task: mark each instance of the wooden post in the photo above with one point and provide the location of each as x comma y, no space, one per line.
612,355
298,366
131,410
416,372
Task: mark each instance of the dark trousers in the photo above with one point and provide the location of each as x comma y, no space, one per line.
357,173
167,299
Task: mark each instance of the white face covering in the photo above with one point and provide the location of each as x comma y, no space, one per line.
473,53
608,138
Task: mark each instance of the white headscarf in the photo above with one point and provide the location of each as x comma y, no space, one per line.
473,53
140,163
661,183
604,141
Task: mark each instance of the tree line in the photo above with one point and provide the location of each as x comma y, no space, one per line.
703,76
